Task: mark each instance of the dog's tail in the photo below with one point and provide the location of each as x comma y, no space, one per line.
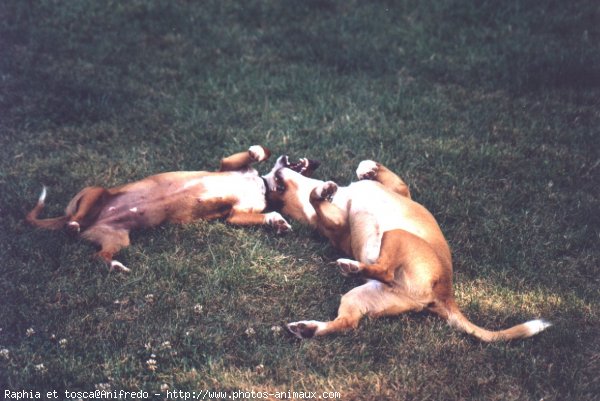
50,224
458,320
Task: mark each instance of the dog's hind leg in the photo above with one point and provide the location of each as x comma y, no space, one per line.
256,153
111,241
372,299
395,245
87,205
370,170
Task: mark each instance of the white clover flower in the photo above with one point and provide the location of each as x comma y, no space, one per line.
198,309
149,298
103,386
4,353
30,331
151,364
63,342
166,345
250,332
276,329
40,368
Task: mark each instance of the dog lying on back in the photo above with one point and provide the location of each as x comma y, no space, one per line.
396,244
105,216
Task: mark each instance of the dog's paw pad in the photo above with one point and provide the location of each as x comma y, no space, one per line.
257,153
276,221
303,329
367,170
326,190
348,266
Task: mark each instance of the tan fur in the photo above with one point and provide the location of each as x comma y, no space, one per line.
106,216
398,245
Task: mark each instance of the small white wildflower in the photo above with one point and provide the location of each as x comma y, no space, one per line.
40,368
103,386
124,301
148,346
151,364
250,332
259,369
276,329
30,331
198,309
166,345
164,387
63,342
149,298
4,353
188,333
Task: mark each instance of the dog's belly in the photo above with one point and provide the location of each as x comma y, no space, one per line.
246,190
182,197
373,210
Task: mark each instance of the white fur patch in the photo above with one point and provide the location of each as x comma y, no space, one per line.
272,217
258,153
326,189
42,197
365,167
348,266
276,219
118,266
192,183
535,326
133,210
320,326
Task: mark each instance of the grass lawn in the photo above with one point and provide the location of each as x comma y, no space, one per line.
490,111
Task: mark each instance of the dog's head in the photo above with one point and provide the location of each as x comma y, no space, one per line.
289,186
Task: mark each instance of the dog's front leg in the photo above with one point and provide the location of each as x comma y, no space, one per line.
110,241
330,217
255,153
245,218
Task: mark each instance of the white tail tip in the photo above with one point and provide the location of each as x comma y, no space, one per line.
42,197
535,326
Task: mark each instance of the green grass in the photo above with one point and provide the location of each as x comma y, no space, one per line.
489,110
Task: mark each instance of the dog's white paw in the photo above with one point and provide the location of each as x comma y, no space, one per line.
304,328
258,153
277,221
367,170
118,266
348,266
326,190
73,227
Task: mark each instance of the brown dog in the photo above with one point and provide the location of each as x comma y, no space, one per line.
397,244
106,216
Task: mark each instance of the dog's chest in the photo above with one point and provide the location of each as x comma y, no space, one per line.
246,188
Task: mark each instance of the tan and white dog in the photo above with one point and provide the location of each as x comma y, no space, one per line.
106,216
396,244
